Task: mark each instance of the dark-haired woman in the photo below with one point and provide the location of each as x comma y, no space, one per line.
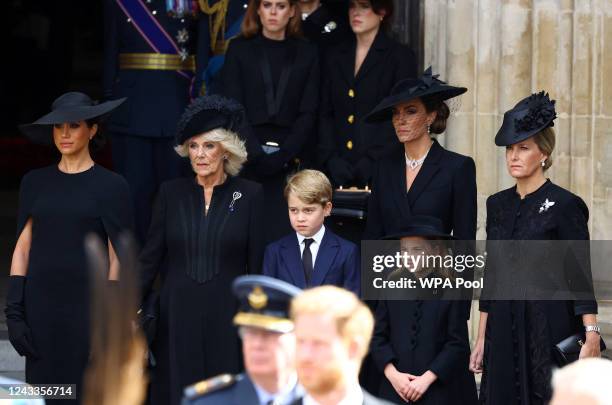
421,177
274,74
47,308
358,74
514,348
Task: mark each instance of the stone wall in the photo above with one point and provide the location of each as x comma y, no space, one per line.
502,51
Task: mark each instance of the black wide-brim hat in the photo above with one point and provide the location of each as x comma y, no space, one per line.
427,85
73,106
420,225
528,117
264,303
206,113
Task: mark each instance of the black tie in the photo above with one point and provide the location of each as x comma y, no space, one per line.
307,259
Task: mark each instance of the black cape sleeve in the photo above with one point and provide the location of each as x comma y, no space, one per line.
26,201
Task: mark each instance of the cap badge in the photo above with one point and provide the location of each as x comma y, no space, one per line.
258,298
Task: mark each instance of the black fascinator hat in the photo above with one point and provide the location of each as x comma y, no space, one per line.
206,113
428,85
528,117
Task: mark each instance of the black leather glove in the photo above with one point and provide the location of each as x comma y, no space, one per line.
20,335
340,171
271,164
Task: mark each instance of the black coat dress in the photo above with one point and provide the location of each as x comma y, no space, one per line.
419,335
445,188
277,82
204,252
346,98
520,334
64,209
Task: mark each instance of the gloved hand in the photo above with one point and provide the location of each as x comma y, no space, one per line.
340,171
271,164
20,335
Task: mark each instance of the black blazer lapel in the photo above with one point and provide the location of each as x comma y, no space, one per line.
398,174
325,257
375,56
346,54
428,170
290,252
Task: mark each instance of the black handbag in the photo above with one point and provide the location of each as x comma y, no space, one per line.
568,350
350,202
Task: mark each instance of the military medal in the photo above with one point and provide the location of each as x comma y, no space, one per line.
180,8
182,36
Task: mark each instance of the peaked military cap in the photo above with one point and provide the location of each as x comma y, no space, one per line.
264,303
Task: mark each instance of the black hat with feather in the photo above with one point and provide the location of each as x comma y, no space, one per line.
206,113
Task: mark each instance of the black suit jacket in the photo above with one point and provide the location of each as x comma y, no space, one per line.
367,400
344,95
243,80
445,188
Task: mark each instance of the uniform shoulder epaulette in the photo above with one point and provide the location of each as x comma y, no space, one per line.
210,385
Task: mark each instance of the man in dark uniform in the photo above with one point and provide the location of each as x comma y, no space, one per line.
220,21
149,49
268,347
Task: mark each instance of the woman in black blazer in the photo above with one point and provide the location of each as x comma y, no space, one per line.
421,345
274,74
357,75
421,177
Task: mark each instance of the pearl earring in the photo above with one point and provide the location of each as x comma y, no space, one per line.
429,129
543,163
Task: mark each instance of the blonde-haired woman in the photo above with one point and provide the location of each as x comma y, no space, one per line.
514,348
207,229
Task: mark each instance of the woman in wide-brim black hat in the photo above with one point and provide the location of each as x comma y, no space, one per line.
421,177
517,356
208,229
47,303
420,342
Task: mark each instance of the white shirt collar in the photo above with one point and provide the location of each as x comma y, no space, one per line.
354,396
318,237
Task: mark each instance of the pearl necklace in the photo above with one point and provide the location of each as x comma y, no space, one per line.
414,163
